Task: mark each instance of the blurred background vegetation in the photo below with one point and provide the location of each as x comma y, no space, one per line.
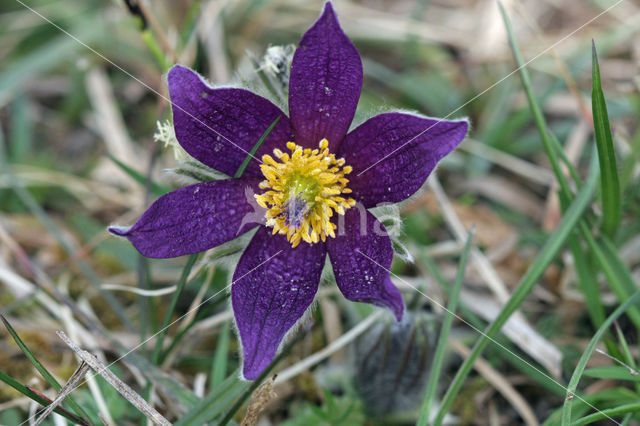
82,86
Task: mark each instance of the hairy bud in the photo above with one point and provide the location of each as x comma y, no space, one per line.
393,363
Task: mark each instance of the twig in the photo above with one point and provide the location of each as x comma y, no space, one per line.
122,388
66,390
632,370
46,400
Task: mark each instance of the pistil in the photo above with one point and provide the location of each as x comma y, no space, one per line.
303,189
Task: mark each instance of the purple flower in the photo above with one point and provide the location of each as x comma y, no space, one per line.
303,193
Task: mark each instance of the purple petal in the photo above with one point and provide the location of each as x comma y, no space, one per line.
361,255
325,84
220,126
273,285
195,218
393,154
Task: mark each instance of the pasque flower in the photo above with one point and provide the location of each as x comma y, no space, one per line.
313,172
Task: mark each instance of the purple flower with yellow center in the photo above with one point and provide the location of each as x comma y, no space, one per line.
312,174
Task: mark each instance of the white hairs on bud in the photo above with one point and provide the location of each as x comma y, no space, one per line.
167,136
389,216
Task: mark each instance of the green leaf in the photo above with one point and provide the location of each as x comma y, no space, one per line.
611,203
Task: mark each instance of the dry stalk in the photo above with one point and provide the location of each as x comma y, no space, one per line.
72,383
122,388
260,398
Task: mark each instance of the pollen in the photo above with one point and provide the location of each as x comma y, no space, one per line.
303,189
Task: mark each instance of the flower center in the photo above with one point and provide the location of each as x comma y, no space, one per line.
303,190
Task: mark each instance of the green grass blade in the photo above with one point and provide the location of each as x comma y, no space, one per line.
538,117
438,358
156,359
582,363
611,372
156,189
610,186
545,257
216,402
32,358
608,413
626,352
552,148
10,381
219,366
587,280
581,406
617,274
255,148
565,160
42,369
156,51
630,162
510,354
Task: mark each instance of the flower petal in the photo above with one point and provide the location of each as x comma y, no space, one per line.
325,84
273,286
220,126
195,218
361,255
393,154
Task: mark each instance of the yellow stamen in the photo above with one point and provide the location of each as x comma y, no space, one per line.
302,191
